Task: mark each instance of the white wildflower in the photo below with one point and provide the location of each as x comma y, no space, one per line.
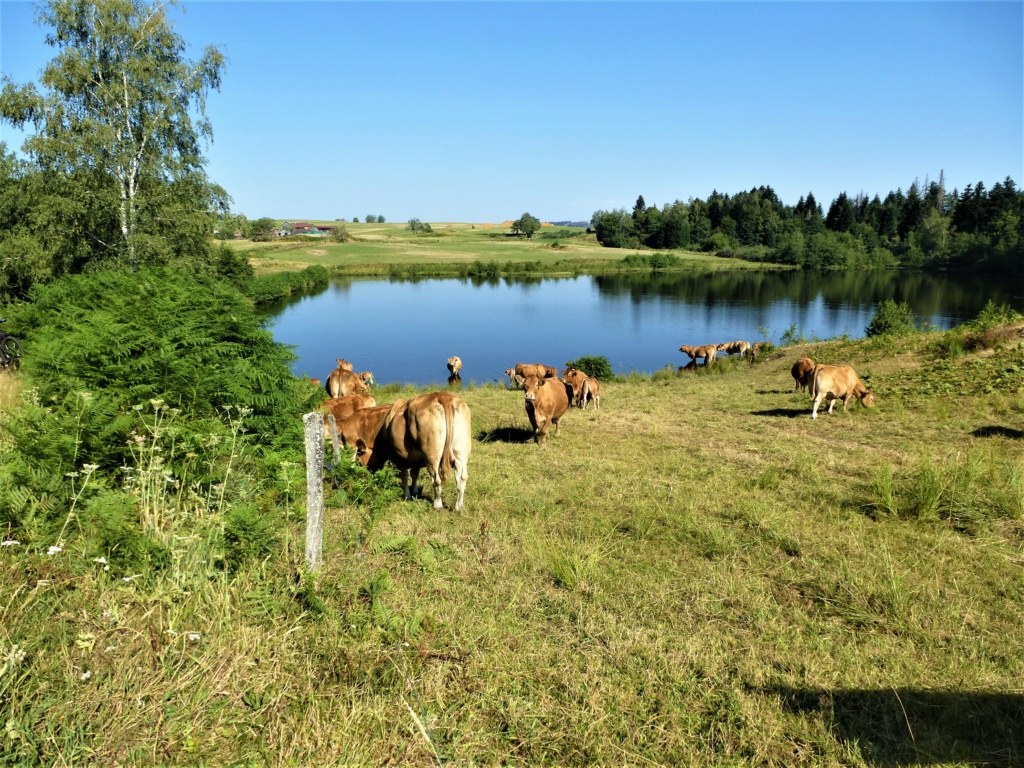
90,468
9,543
170,632
54,549
86,675
110,648
195,637
102,561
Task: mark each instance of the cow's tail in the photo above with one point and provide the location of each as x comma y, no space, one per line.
447,458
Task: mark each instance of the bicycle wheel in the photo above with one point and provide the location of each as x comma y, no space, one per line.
10,350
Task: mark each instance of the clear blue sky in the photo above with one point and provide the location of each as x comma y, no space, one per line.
481,111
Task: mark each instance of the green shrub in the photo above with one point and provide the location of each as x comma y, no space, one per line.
992,316
596,366
792,336
892,319
153,336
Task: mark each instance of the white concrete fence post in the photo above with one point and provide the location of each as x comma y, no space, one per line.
314,428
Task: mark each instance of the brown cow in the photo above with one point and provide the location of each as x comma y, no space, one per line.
536,369
575,378
734,347
431,430
708,352
547,400
755,350
454,366
343,407
590,391
801,372
342,383
837,382
367,377
344,364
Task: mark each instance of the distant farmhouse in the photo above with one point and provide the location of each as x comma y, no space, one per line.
302,228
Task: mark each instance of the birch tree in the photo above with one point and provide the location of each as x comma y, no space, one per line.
121,102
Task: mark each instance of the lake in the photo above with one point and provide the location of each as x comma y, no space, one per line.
405,330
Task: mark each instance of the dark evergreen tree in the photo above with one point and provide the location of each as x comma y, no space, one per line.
840,214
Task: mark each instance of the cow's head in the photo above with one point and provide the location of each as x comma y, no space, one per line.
367,377
510,371
363,451
531,387
867,399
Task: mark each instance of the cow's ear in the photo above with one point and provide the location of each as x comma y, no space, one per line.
360,446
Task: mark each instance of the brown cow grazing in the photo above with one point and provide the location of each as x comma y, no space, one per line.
590,391
547,400
367,377
755,350
801,371
734,347
708,352
454,366
343,383
431,430
837,382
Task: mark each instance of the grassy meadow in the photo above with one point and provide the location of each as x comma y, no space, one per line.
380,248
695,574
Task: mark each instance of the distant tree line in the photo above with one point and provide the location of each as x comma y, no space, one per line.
924,227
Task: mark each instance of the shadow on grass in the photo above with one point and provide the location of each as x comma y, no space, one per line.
505,435
905,726
999,431
790,412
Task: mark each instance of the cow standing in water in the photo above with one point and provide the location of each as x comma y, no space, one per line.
708,352
454,367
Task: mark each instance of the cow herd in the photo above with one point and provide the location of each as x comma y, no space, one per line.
433,430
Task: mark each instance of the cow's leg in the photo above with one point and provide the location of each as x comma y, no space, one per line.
831,405
814,406
413,473
461,475
403,475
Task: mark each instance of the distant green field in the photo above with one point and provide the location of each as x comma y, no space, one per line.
377,247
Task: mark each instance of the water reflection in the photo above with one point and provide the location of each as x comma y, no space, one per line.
404,330
953,300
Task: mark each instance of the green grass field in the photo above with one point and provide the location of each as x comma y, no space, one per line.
696,574
377,247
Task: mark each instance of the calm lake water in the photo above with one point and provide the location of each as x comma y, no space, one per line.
405,330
